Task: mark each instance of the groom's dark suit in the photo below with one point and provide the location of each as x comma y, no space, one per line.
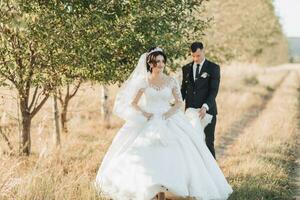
202,90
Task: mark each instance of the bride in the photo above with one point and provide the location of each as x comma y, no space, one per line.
158,152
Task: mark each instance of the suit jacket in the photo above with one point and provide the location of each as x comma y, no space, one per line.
204,89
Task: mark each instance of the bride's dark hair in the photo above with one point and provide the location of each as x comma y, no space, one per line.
151,58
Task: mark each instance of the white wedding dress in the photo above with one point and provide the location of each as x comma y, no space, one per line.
160,155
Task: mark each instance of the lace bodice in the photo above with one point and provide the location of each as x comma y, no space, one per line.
159,99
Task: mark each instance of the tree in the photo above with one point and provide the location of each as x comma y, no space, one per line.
245,31
29,60
104,105
56,135
102,40
105,38
49,44
64,99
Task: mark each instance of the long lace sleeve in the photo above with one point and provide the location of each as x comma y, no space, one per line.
130,101
177,98
136,99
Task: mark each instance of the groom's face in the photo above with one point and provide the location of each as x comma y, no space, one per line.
198,55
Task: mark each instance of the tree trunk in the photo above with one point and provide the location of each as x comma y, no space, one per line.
63,116
64,102
105,106
25,144
56,135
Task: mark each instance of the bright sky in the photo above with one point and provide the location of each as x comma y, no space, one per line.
289,13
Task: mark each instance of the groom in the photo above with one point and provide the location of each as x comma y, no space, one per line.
200,85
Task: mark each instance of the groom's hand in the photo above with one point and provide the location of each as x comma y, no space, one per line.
202,112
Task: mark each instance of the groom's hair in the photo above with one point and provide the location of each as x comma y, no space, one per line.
196,45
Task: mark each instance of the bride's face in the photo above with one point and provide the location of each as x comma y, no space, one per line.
160,64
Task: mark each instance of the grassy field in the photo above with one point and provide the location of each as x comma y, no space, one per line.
260,163
257,156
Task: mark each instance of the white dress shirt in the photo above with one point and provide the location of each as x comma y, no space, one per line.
195,68
194,74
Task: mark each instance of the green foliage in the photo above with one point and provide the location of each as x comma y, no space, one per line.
118,32
97,40
246,31
28,56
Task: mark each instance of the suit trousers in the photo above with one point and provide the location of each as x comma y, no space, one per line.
210,135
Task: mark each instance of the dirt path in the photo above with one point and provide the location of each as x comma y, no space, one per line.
240,125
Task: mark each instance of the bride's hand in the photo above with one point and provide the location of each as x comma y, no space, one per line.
148,115
166,115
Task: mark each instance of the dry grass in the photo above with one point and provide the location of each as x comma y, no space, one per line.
242,88
260,163
68,173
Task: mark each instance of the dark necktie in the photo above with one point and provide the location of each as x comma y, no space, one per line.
197,70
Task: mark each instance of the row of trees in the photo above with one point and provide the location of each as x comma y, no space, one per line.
246,31
46,45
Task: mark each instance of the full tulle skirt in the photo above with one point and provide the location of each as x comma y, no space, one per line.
148,157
